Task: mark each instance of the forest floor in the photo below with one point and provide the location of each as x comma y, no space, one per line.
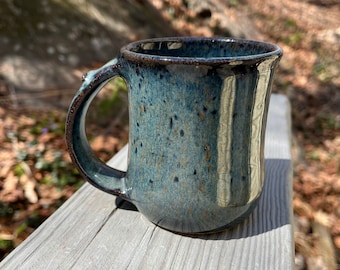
36,175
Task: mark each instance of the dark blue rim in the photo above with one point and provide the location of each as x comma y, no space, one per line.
129,51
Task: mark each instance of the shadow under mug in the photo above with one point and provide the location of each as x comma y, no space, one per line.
198,111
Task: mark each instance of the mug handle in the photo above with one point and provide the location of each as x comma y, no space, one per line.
89,165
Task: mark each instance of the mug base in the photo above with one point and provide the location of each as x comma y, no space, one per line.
219,229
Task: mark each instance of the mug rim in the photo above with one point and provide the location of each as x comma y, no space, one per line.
127,51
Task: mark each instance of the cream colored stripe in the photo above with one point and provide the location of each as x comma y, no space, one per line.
224,138
256,129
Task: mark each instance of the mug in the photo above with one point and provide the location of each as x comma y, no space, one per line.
197,118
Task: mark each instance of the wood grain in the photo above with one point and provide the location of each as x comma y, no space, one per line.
94,230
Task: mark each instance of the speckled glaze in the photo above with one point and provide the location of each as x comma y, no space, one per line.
198,110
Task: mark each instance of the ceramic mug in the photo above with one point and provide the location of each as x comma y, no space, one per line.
197,118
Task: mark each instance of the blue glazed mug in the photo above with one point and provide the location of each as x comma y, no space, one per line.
198,110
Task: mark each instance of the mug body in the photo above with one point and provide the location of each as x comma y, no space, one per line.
197,118
196,130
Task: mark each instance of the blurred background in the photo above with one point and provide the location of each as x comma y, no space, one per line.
46,46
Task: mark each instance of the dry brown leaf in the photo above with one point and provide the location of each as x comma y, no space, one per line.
324,219
28,185
6,236
10,183
5,167
303,209
337,241
10,191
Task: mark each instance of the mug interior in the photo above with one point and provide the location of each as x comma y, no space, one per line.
190,48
